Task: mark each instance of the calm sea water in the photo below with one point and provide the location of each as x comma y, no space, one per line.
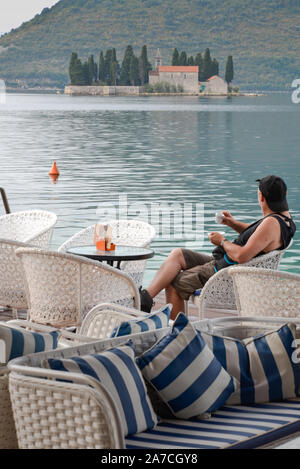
183,151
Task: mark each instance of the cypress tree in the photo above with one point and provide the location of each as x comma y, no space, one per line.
101,72
86,77
215,67
114,72
113,55
125,68
134,70
114,67
72,68
175,57
229,73
91,69
107,65
207,65
199,61
77,71
144,66
183,58
95,72
190,60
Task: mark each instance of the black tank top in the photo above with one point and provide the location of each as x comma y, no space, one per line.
287,233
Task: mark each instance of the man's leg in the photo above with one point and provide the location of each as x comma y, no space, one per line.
174,263
177,302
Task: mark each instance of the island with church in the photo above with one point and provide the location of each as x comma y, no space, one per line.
187,75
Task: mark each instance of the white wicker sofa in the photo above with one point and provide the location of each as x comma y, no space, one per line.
51,413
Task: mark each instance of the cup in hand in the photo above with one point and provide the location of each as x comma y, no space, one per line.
219,217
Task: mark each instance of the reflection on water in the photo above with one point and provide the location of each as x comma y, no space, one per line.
185,150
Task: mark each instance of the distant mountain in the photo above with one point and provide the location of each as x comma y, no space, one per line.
262,35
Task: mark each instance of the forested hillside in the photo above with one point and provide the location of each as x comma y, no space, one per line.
263,36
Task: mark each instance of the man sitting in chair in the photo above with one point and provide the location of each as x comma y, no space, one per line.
185,271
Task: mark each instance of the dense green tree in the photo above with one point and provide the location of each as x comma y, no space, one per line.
175,57
199,61
78,73
91,70
101,71
229,73
207,64
96,72
125,68
144,66
114,55
86,78
134,71
190,60
114,66
72,67
215,67
183,58
107,65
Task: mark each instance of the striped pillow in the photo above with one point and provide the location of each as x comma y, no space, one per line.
17,341
117,372
262,365
185,373
155,320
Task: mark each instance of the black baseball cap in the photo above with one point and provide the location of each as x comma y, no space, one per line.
274,190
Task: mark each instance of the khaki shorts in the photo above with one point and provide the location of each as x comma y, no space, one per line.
200,267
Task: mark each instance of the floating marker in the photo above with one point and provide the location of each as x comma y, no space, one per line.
54,171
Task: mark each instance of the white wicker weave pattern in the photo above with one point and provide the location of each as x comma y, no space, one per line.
20,229
62,288
124,232
261,292
12,288
218,292
33,227
8,437
58,416
102,319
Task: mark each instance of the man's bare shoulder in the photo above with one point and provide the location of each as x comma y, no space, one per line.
269,224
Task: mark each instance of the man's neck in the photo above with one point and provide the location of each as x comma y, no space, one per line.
266,212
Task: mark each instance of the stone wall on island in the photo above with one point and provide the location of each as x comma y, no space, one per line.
103,90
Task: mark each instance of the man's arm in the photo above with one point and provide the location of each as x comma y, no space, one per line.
265,238
236,225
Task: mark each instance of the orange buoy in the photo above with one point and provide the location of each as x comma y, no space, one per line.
54,177
54,171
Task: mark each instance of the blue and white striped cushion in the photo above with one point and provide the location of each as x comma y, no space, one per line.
155,320
16,342
240,427
262,365
117,372
185,373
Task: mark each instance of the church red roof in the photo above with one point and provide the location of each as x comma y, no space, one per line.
179,68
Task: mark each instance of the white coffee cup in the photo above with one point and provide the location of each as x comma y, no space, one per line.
219,217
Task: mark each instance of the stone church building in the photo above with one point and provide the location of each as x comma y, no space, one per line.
186,77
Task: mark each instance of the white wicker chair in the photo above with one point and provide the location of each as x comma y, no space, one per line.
34,227
8,437
12,287
62,288
124,232
217,295
102,319
20,229
262,292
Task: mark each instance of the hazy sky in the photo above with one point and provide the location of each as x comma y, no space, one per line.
14,12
